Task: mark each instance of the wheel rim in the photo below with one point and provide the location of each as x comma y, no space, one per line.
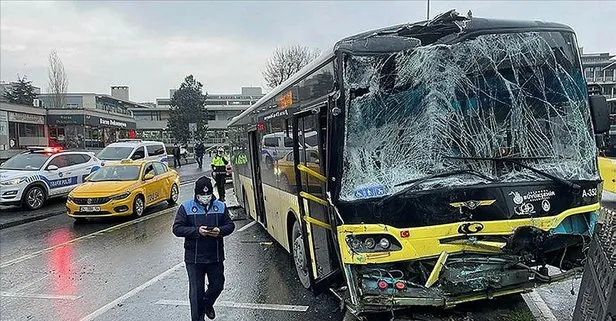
299,256
138,207
174,193
35,198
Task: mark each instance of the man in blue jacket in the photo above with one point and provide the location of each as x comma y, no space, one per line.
203,222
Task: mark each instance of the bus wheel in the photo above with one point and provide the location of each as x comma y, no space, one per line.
299,256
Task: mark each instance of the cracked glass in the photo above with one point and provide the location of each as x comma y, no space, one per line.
414,113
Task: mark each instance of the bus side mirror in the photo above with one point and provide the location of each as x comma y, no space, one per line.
599,114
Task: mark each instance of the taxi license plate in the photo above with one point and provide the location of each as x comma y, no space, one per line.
90,209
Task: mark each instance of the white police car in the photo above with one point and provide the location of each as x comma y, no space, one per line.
32,177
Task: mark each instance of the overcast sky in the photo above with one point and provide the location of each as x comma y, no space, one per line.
152,46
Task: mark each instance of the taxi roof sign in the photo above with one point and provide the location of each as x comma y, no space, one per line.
126,161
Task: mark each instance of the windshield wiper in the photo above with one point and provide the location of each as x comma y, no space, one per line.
415,182
516,160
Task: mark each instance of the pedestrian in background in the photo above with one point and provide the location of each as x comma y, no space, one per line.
219,171
203,221
199,152
177,154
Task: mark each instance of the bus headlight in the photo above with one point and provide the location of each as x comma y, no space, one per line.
367,243
384,243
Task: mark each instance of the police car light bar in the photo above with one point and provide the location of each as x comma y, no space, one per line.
45,149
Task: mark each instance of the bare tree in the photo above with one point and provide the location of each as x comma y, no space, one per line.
285,61
57,80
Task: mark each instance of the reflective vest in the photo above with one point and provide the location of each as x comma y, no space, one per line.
218,164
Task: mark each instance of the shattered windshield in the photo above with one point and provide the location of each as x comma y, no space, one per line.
415,113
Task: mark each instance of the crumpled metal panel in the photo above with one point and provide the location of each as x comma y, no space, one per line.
515,94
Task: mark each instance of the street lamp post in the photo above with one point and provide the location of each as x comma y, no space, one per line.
428,10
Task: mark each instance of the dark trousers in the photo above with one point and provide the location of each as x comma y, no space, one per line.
220,185
177,162
200,161
199,298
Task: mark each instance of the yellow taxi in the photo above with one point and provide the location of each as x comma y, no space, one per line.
123,189
284,168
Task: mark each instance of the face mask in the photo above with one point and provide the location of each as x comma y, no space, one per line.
204,199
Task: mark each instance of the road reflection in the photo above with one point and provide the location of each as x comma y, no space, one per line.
61,266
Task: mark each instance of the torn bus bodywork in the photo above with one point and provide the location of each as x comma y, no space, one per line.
468,162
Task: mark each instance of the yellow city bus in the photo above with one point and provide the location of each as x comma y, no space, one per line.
428,164
607,163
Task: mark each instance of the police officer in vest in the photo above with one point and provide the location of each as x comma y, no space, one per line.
203,222
219,171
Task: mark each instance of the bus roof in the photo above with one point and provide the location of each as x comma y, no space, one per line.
427,31
324,57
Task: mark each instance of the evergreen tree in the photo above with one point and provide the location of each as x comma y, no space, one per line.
188,106
21,92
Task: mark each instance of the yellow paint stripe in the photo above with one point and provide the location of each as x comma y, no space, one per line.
312,173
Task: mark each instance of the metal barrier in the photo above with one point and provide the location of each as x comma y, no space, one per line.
597,296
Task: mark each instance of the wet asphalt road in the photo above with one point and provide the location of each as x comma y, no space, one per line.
125,269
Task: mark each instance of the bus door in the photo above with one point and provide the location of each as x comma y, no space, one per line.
309,157
255,167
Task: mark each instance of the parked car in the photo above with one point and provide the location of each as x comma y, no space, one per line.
32,177
124,188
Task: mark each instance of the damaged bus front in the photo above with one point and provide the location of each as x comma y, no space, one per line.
468,164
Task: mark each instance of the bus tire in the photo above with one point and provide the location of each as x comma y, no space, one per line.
299,256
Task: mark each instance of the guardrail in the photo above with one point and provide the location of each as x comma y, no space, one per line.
597,297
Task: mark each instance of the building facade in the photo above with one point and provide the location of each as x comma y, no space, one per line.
90,120
600,72
22,126
152,121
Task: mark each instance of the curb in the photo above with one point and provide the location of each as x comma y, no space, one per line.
29,219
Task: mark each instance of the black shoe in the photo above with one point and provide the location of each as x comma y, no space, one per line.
210,313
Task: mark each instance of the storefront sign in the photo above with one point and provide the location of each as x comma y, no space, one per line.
55,120
106,122
111,122
94,121
26,118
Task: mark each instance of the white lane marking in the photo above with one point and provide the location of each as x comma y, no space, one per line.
541,311
39,296
130,293
247,226
112,228
241,305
